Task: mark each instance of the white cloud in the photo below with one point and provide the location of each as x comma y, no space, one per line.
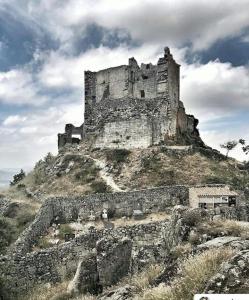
215,90
215,138
28,141
18,87
174,22
14,120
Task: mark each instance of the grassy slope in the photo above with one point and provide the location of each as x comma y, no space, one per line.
75,173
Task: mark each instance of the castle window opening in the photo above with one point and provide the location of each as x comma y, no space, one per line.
142,93
132,76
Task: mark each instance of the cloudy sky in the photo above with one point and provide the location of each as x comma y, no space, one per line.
46,45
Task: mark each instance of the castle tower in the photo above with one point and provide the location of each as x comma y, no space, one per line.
131,106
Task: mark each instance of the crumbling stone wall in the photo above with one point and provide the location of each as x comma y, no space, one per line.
113,259
118,205
67,137
130,80
136,107
24,270
131,106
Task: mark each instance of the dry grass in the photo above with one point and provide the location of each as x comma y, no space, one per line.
195,272
45,292
59,291
182,251
227,227
56,292
145,278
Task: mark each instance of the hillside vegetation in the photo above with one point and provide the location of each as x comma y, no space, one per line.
79,172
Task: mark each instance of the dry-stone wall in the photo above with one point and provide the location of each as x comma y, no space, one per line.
24,271
117,204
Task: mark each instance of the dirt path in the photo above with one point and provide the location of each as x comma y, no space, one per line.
105,175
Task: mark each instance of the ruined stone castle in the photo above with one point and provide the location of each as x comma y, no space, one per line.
132,106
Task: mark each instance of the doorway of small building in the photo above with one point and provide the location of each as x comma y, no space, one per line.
232,201
142,94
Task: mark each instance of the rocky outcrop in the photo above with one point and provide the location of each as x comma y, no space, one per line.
231,241
113,259
175,230
86,276
232,277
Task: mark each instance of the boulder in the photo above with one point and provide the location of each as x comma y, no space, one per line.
86,276
113,259
234,242
232,278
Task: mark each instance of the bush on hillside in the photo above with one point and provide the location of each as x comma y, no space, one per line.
18,177
24,218
117,155
99,186
64,229
7,234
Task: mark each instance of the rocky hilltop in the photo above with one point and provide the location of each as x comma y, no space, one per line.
135,207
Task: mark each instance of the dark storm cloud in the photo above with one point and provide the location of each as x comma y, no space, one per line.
233,50
20,38
94,36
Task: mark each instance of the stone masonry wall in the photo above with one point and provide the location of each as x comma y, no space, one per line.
131,123
23,271
118,205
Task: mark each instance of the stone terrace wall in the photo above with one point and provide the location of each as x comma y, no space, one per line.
56,264
118,205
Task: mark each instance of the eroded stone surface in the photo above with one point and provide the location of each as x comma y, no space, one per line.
132,106
113,259
232,277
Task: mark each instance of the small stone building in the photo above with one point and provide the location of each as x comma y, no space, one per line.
211,196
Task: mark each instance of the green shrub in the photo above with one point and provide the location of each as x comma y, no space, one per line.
88,173
214,180
64,229
39,175
49,158
24,218
193,217
43,243
7,234
117,155
99,186
18,177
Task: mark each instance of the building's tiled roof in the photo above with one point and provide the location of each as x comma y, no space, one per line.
213,191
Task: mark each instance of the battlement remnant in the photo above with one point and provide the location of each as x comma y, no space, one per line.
132,106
